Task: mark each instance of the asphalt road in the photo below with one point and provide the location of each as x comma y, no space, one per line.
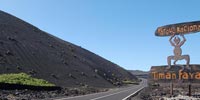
115,94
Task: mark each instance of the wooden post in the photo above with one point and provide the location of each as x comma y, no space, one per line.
189,86
171,89
189,91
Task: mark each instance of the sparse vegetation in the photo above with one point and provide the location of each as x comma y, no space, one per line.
32,72
96,70
95,76
70,75
76,70
83,74
54,76
7,68
19,68
1,42
8,52
17,58
104,74
33,53
50,45
72,49
75,56
154,84
65,63
11,39
23,79
35,30
113,74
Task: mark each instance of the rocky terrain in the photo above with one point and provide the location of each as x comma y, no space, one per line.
162,92
48,95
25,48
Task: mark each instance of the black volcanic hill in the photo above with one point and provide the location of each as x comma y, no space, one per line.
139,73
25,48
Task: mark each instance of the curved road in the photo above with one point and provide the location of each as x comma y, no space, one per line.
116,94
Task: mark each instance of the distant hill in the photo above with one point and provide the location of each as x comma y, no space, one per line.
139,73
25,48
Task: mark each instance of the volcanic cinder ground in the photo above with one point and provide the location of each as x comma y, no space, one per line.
25,48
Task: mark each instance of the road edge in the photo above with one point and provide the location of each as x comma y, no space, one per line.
133,94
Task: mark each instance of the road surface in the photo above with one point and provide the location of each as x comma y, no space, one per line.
116,94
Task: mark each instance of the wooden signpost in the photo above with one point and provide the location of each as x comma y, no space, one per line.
174,72
179,28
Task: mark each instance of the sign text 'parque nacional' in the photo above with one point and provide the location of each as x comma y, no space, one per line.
180,28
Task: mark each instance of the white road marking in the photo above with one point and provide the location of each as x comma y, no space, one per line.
111,94
104,95
132,94
84,95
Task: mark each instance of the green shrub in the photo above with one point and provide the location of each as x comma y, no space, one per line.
23,79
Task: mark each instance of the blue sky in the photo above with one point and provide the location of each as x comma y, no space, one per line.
121,31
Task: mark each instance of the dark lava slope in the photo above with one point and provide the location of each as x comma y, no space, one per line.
25,48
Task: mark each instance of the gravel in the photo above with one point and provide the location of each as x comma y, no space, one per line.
30,94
